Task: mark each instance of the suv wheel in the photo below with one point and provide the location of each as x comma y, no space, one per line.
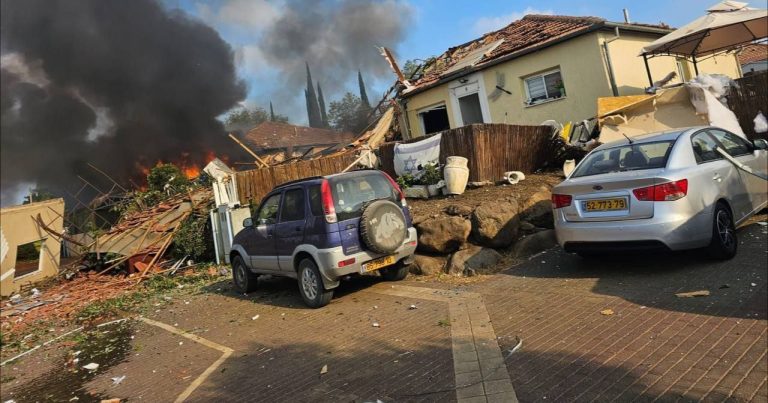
245,281
311,285
724,242
396,272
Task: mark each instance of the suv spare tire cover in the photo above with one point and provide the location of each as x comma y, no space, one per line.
382,226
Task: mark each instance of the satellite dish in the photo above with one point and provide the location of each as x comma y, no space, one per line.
499,89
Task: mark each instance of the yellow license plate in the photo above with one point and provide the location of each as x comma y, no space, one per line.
605,204
378,264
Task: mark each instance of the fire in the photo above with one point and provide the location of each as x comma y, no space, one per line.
188,167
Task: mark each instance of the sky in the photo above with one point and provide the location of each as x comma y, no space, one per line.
430,27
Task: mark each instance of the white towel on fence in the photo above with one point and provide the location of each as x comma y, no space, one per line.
411,157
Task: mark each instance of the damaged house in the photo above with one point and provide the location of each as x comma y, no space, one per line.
281,141
541,67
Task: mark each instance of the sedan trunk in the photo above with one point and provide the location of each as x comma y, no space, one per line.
608,197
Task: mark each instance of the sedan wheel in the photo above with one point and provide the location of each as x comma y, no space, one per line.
724,242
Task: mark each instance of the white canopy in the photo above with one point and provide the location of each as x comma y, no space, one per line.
727,25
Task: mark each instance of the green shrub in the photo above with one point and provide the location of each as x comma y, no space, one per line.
194,239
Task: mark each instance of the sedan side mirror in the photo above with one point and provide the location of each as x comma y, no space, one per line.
248,222
760,144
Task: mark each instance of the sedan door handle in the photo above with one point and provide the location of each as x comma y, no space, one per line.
717,177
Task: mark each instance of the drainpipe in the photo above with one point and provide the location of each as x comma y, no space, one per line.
611,76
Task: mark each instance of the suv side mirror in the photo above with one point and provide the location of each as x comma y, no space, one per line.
248,222
760,144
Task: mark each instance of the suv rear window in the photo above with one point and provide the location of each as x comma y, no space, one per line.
351,193
629,157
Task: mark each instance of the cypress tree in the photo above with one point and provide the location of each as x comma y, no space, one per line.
321,101
313,111
271,112
363,94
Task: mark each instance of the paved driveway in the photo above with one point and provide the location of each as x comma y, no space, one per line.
416,341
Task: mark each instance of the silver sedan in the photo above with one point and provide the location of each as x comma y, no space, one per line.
670,190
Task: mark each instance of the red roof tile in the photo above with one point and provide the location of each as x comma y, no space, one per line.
269,135
753,53
524,34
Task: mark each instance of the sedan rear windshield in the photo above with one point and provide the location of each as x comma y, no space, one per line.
352,193
629,157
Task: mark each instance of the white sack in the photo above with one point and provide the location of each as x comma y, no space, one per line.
761,123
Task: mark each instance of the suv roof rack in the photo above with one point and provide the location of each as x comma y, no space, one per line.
282,185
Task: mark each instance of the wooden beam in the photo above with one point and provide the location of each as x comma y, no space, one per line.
236,140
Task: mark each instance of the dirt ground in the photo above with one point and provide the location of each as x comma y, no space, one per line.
474,197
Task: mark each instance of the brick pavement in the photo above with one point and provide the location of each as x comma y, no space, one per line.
655,346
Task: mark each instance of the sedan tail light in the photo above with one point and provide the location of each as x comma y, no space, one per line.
560,201
664,192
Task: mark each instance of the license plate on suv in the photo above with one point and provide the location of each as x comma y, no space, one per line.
377,264
619,203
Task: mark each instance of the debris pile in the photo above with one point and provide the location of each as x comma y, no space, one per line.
62,300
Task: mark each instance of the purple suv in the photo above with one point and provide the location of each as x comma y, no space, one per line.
321,229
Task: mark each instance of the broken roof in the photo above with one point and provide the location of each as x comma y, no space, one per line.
754,52
530,33
271,135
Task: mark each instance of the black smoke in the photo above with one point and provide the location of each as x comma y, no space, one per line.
337,39
110,82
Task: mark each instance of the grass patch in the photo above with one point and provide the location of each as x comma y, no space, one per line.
444,323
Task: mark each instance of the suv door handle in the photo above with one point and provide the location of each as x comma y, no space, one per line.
297,229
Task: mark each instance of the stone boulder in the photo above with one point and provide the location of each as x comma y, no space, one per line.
424,265
495,224
472,260
537,209
459,210
534,243
443,234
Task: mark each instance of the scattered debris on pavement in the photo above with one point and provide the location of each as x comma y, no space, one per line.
693,294
607,312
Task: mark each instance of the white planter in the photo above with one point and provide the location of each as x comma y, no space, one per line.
456,175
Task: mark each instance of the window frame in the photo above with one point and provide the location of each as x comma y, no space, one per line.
527,101
748,145
711,137
279,195
282,204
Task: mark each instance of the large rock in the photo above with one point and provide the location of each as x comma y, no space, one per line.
495,224
428,265
537,209
443,234
472,260
534,243
458,210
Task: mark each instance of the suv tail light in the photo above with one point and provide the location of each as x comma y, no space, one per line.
560,201
399,191
664,192
327,198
